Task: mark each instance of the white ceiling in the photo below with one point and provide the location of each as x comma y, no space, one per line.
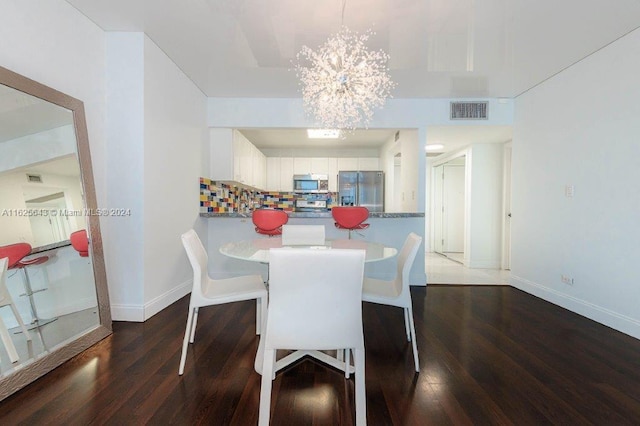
438,48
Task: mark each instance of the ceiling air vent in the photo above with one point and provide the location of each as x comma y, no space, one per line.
34,178
469,110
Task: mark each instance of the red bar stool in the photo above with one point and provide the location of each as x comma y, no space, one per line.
16,254
80,242
269,221
350,218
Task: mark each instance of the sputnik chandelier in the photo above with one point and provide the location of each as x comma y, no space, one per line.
343,82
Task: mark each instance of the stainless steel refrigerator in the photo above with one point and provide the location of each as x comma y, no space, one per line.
361,189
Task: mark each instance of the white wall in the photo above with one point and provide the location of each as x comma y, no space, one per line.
124,242
157,134
581,128
175,137
483,248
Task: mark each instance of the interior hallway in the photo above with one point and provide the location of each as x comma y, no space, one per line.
441,270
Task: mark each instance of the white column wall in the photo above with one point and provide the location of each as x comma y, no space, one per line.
175,134
581,128
125,149
484,168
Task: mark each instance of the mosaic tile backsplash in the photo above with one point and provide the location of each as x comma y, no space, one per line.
219,197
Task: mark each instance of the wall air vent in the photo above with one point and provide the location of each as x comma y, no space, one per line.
469,110
34,178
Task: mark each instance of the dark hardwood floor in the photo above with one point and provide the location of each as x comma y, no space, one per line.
489,354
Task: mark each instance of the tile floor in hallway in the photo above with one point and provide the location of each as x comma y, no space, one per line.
441,270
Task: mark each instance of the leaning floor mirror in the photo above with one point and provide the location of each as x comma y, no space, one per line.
54,302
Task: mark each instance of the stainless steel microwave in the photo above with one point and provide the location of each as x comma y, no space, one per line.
311,183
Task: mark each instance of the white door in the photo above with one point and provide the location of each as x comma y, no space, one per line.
453,212
438,208
506,228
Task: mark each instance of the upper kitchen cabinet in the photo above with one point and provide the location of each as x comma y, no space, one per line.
306,165
234,158
302,166
345,164
280,174
368,164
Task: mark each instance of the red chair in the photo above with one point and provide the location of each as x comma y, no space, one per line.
268,221
350,218
16,254
80,242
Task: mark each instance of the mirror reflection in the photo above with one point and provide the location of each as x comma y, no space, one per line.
49,281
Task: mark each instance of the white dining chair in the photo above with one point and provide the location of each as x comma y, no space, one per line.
397,292
6,300
318,310
303,235
208,292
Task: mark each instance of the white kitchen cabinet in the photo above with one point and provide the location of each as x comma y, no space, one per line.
332,172
234,158
259,166
368,163
279,174
273,174
301,165
320,165
347,164
286,174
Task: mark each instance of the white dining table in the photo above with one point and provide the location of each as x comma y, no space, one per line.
257,250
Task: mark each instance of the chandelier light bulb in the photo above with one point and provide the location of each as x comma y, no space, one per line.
343,82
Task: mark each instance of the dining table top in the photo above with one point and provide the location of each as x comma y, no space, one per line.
257,250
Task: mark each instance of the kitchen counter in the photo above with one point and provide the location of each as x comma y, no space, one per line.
390,229
307,215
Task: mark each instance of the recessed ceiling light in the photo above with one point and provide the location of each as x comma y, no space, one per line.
434,147
323,133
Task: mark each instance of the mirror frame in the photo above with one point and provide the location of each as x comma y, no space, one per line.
39,367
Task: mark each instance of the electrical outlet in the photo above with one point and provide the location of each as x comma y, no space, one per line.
569,190
566,279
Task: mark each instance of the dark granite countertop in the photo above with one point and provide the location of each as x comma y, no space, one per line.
51,246
306,215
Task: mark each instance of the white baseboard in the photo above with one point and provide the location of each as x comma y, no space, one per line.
159,303
141,313
130,313
596,313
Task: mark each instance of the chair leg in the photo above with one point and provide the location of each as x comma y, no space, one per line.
347,362
406,324
261,314
19,319
185,341
193,325
413,339
265,388
361,396
8,343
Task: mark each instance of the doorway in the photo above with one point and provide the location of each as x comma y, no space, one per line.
47,224
449,208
